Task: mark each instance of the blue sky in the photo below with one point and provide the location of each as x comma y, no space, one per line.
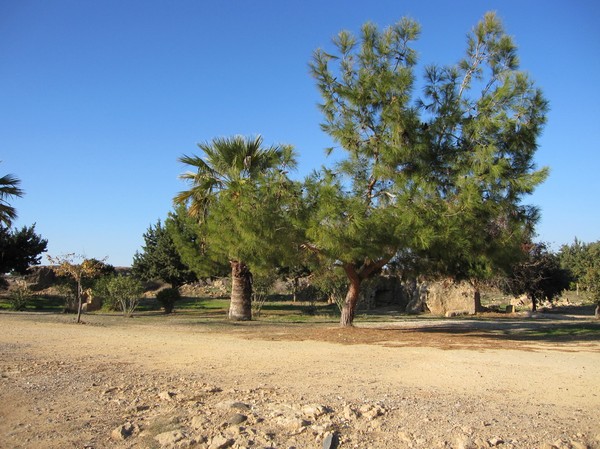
98,99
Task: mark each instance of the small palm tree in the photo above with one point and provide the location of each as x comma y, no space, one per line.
9,188
229,167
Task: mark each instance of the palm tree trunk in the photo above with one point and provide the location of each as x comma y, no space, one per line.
240,306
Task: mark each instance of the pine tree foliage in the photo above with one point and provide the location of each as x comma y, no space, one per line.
191,244
159,259
442,173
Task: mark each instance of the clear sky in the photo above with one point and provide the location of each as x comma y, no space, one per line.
98,99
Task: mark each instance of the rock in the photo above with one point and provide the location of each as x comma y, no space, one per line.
123,432
167,395
371,412
578,445
451,298
169,438
463,442
240,406
237,418
404,437
314,411
350,413
297,425
198,422
220,442
330,441
495,441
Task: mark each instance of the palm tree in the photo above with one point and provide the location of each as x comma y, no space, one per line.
230,166
9,187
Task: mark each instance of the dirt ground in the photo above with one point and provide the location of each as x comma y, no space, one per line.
179,382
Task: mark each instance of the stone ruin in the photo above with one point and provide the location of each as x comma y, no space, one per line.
441,297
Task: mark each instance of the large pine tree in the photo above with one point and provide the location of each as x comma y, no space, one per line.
443,173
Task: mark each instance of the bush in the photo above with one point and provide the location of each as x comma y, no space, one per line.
167,298
67,290
19,296
127,291
101,290
119,293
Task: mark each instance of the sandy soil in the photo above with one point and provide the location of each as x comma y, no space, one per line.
178,382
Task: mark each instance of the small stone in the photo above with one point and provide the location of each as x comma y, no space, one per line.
578,445
314,411
330,441
237,418
464,442
198,422
240,406
403,436
495,441
350,413
167,395
220,442
122,432
169,438
213,390
371,412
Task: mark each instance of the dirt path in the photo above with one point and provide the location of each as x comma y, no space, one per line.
176,382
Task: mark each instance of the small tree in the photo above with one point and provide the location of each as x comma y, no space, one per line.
19,295
125,291
66,265
168,297
262,285
538,275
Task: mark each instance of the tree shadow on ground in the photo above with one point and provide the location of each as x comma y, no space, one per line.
521,331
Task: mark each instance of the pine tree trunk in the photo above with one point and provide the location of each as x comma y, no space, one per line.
351,301
295,284
240,306
478,306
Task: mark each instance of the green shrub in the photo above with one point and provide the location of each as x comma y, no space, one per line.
19,296
119,293
167,298
127,292
101,290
